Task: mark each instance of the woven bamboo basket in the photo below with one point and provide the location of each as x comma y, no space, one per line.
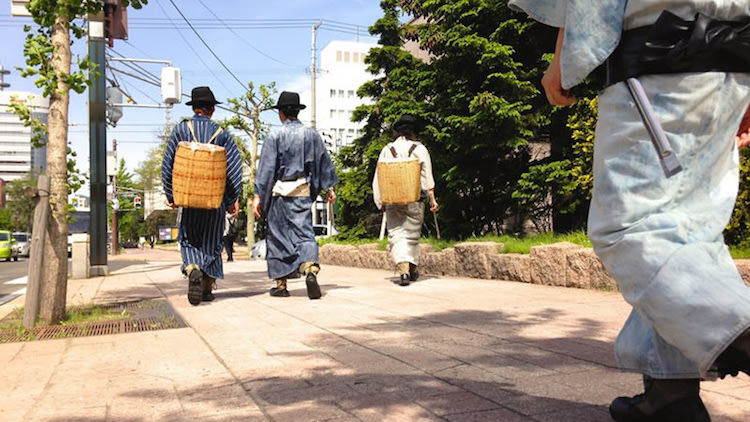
199,175
399,181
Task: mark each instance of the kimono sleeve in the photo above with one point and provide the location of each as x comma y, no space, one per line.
548,12
266,176
168,161
234,171
323,174
592,31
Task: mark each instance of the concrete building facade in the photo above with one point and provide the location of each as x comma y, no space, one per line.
342,72
17,155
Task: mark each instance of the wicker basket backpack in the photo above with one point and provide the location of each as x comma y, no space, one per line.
399,179
199,172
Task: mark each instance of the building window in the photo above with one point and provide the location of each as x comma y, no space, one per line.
333,113
341,93
338,56
355,57
350,93
346,57
333,93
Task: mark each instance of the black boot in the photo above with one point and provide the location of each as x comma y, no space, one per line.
195,291
404,280
280,289
207,287
413,272
665,400
313,289
735,358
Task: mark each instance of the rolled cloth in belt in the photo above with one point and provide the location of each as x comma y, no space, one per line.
674,45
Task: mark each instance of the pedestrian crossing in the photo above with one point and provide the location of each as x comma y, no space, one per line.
18,281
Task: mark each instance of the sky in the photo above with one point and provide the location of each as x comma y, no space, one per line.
258,41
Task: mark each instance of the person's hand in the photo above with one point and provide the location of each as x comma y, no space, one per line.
552,79
433,205
234,209
331,195
171,205
256,206
743,134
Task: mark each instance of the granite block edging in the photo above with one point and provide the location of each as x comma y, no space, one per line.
559,264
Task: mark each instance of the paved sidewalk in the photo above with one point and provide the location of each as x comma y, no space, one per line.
442,349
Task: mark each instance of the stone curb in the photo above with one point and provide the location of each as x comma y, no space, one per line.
559,264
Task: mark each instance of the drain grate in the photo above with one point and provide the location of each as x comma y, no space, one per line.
142,315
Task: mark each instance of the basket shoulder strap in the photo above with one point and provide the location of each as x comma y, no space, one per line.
218,131
192,130
411,149
393,151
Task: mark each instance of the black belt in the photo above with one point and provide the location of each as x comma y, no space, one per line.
674,45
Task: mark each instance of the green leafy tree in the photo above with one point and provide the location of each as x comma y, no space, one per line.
48,60
738,230
247,110
563,184
130,220
475,97
20,206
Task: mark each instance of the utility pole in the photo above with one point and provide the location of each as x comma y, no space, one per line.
312,73
115,204
98,148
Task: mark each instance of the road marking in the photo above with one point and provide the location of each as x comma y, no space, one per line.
22,280
7,298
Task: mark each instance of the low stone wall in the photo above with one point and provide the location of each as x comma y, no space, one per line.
560,264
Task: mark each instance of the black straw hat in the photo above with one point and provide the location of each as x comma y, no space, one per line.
289,100
202,96
407,121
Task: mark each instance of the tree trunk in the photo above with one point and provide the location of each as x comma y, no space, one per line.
251,179
54,284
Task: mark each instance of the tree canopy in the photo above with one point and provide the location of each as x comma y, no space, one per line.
477,96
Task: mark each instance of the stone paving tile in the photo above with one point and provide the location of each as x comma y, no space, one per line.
308,411
501,415
461,402
387,407
577,413
69,414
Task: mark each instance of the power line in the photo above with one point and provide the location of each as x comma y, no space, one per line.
241,38
190,45
207,46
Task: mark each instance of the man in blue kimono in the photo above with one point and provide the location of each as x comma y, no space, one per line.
294,167
659,232
201,230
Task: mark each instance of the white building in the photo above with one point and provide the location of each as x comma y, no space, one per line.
17,155
342,72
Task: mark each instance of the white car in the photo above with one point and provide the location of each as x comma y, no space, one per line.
23,241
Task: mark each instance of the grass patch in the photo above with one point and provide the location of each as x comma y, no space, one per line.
87,314
740,252
76,315
512,244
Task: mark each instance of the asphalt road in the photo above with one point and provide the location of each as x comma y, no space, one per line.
10,271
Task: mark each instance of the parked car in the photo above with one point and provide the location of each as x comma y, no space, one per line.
8,246
24,243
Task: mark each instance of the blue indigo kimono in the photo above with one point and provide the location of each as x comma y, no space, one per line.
201,231
661,238
292,153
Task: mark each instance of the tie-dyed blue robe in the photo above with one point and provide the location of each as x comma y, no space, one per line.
661,238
